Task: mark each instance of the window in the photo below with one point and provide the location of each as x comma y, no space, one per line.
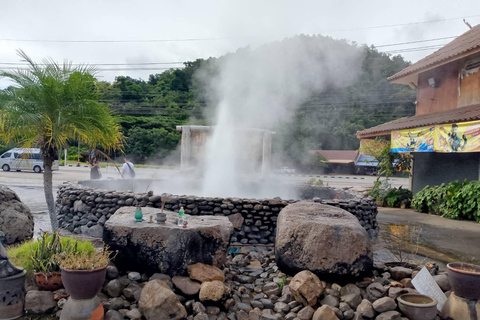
6,155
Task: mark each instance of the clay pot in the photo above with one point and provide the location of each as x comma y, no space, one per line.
49,282
465,280
379,203
83,284
418,306
12,296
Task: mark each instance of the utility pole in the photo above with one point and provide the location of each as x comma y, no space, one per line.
78,153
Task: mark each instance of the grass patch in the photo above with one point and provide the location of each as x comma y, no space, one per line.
21,255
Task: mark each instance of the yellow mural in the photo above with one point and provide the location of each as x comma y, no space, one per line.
458,137
413,140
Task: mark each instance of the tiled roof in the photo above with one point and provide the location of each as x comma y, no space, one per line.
469,113
338,156
462,44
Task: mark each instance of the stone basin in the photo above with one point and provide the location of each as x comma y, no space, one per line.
166,247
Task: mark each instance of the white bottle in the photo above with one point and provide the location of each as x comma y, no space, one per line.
181,217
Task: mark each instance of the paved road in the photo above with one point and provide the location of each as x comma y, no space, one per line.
456,239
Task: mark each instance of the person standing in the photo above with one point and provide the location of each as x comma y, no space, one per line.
128,170
94,166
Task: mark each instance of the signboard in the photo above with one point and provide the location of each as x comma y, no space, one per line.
413,140
425,284
458,137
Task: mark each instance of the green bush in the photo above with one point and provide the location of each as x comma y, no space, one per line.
38,254
455,200
396,197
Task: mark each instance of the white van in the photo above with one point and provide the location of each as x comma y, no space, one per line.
24,159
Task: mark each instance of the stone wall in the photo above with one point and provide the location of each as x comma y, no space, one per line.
85,210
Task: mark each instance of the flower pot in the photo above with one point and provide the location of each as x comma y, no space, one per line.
465,280
12,296
379,203
83,284
418,306
49,282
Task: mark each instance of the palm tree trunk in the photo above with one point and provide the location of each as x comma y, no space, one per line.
48,189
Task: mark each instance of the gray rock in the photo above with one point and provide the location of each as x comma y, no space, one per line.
37,302
330,301
16,220
134,314
115,288
389,315
134,276
159,302
306,313
268,314
384,304
398,273
349,288
365,308
375,291
112,272
150,245
113,315
186,285
442,281
352,299
201,316
281,307
95,231
349,255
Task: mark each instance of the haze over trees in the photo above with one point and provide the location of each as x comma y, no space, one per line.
149,110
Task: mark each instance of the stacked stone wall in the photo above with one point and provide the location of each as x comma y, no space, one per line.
85,210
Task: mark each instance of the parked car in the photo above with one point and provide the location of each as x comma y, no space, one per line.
284,170
22,159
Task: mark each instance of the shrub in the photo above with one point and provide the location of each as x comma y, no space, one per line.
84,260
395,197
38,254
455,200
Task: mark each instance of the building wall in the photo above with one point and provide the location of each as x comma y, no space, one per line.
437,168
469,89
445,94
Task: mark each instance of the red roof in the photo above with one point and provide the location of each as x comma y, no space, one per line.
456,49
338,156
463,114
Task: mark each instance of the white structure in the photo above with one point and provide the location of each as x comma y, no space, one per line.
258,146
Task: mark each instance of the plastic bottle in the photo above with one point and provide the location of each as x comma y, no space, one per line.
181,217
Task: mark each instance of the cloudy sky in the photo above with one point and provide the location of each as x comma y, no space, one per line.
147,36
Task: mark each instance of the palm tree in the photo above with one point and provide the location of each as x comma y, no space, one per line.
50,104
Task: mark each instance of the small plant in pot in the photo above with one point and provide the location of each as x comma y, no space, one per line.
83,273
42,256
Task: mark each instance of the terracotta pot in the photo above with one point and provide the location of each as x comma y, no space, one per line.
83,284
379,203
418,306
49,282
465,280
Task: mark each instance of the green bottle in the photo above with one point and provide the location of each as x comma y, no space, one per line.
181,217
139,214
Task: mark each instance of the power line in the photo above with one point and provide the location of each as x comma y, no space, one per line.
223,38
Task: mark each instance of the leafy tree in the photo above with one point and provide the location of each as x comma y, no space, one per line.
50,104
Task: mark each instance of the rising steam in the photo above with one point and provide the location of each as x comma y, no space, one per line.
262,88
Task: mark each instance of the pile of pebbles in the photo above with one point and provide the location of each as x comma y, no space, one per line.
250,287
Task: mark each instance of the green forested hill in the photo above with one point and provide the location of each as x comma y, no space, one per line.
150,109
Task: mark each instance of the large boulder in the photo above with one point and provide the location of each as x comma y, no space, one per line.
326,240
16,220
158,301
166,247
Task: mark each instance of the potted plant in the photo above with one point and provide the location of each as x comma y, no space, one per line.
83,274
465,280
43,258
